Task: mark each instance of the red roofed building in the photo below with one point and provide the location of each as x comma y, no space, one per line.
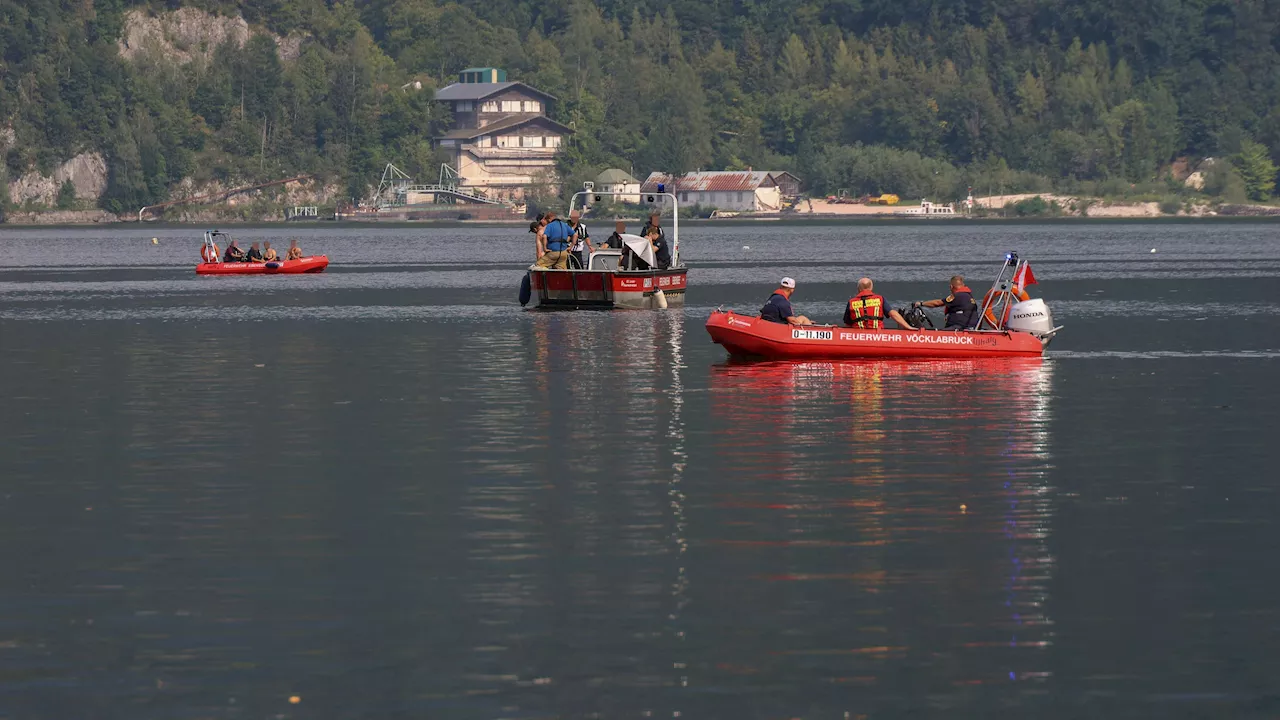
743,190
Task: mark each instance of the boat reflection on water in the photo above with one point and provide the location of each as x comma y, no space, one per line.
574,507
905,502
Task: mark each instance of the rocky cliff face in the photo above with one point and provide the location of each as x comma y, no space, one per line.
189,34
86,171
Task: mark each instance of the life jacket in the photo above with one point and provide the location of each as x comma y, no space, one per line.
866,310
557,234
961,308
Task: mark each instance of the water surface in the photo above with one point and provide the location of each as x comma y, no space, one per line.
390,492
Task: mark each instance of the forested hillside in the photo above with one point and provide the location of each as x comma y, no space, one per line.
914,96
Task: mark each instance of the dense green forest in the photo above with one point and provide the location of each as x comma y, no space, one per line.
913,96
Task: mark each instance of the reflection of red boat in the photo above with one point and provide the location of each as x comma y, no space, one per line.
745,336
283,267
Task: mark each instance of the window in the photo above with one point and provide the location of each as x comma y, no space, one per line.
532,106
463,106
489,106
739,197
485,141
684,197
510,106
530,141
508,141
553,141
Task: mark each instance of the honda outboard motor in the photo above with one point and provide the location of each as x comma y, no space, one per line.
1032,316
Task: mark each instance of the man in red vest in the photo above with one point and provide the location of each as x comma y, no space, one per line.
867,311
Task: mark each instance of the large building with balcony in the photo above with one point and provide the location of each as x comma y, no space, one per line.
501,141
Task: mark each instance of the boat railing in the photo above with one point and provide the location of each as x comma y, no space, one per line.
589,192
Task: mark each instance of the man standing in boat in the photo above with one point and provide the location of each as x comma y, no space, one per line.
778,309
581,246
866,310
553,243
960,307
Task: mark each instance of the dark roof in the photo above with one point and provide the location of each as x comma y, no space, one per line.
505,123
480,91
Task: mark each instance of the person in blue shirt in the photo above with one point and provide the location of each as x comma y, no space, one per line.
553,242
778,309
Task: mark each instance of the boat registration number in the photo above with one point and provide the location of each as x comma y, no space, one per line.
798,334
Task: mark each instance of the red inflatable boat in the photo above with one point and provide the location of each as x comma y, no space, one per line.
284,267
745,336
212,263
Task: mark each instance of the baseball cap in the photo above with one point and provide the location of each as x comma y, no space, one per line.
788,283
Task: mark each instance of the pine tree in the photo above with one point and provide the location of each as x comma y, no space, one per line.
1256,169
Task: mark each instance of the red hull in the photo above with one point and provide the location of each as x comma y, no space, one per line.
753,337
287,267
607,288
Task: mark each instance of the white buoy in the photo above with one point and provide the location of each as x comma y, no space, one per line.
155,241
1153,250
661,298
746,247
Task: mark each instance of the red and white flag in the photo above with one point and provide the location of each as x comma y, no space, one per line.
1024,277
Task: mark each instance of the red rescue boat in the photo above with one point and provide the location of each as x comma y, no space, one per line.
312,264
213,264
1026,332
745,336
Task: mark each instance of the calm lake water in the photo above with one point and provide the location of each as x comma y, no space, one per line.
389,492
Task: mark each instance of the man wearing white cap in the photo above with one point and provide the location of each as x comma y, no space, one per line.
778,309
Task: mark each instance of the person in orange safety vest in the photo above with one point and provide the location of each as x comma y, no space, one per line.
866,310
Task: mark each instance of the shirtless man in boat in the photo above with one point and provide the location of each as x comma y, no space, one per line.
268,252
778,309
295,252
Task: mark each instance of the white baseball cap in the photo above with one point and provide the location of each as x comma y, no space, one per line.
788,283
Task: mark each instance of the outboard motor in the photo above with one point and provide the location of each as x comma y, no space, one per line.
1032,316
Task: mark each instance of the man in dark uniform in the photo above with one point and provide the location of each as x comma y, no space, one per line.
614,242
778,308
960,307
254,255
653,233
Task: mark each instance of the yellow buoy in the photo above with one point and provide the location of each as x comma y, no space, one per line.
155,241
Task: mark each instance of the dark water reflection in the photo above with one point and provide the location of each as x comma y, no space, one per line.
400,496
873,500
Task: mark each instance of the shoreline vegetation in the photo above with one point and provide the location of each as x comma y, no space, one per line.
999,208
1094,108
